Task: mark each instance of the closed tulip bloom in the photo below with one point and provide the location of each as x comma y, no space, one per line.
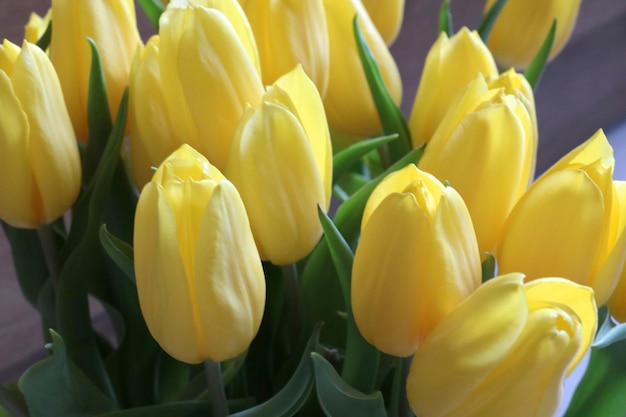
387,16
568,223
450,65
486,148
152,135
281,163
209,70
504,351
349,105
36,26
113,27
290,32
522,27
199,276
40,166
416,261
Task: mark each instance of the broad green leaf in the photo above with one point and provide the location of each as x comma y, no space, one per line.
120,252
339,399
535,70
57,387
445,18
486,25
601,391
345,159
489,267
391,117
292,397
153,10
186,408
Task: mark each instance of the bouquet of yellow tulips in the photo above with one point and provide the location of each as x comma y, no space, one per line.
270,237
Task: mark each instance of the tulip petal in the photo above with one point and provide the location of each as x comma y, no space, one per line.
467,346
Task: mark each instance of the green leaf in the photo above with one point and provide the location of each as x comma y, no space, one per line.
44,41
98,115
489,267
57,387
345,159
601,391
292,397
186,408
153,10
535,70
445,18
120,252
486,25
339,399
391,117
609,332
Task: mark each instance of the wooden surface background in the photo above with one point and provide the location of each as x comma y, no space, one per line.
583,89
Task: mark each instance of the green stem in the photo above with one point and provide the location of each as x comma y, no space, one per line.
215,384
51,252
404,410
294,305
11,404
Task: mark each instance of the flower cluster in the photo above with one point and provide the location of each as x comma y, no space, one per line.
247,174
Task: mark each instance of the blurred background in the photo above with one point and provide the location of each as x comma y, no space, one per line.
582,90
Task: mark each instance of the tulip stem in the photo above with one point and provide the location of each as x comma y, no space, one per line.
51,252
401,399
215,384
11,404
290,280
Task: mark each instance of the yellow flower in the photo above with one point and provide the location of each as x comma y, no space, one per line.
36,26
617,302
486,148
209,69
349,105
504,351
112,26
568,223
40,175
416,261
450,64
387,16
290,32
281,163
199,276
523,25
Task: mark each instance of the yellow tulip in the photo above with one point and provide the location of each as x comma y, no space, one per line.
36,26
152,134
523,25
505,351
450,64
113,27
281,163
349,105
209,69
290,32
416,261
568,223
387,16
486,148
40,175
199,276
617,302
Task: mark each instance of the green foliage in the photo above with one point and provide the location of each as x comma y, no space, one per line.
153,9
445,18
488,267
535,70
486,25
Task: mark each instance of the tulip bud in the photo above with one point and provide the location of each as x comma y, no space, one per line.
568,223
209,68
36,26
199,276
486,148
387,16
40,175
281,163
290,32
522,27
113,27
505,351
349,105
416,260
450,64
